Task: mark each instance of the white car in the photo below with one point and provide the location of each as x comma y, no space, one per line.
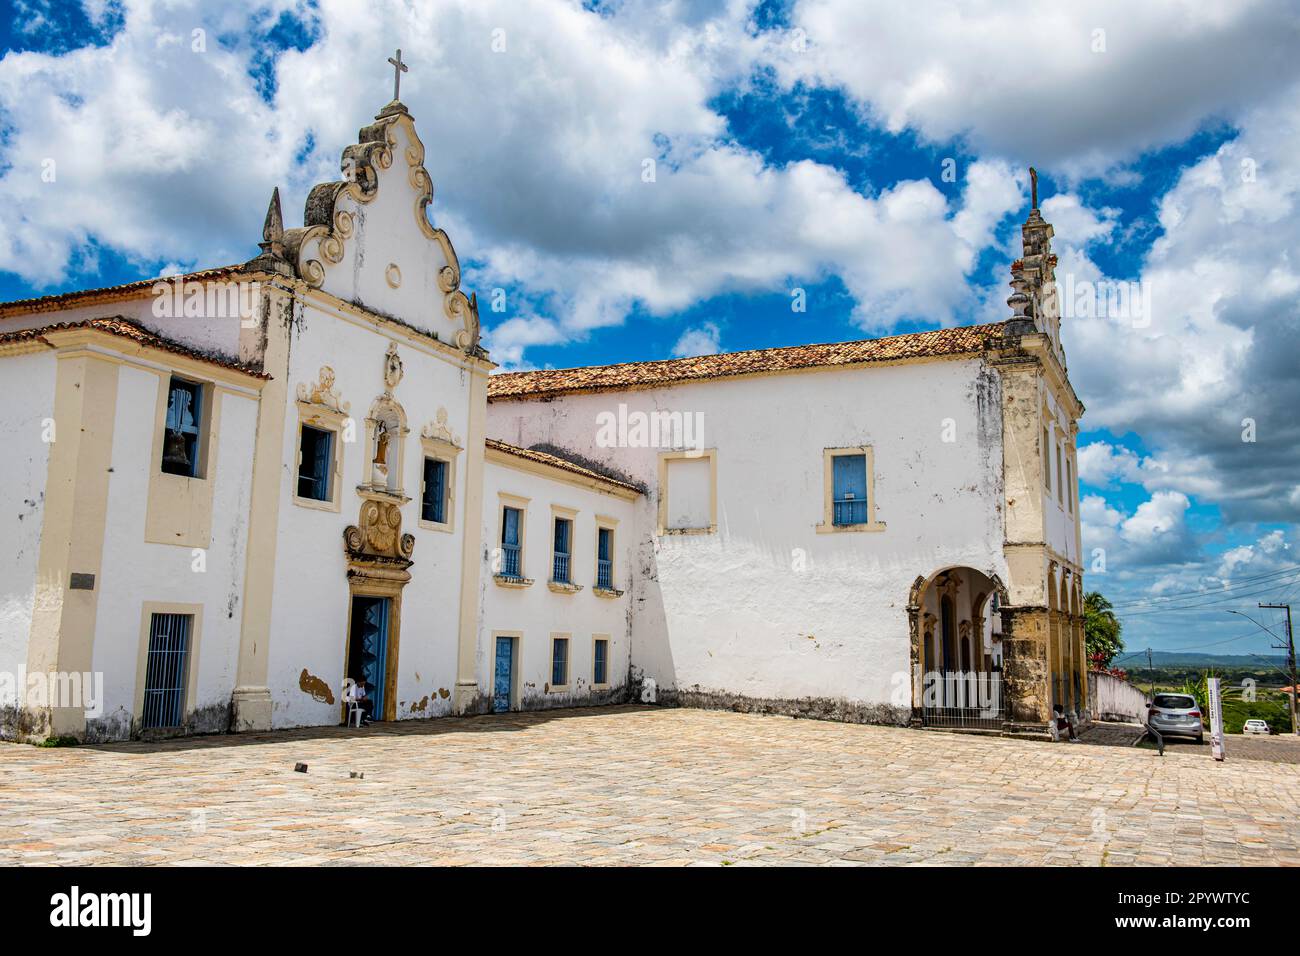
1255,726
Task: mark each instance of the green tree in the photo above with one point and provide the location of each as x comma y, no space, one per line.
1101,630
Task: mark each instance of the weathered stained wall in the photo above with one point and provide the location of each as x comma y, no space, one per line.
767,607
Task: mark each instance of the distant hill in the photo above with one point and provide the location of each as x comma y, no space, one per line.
1176,658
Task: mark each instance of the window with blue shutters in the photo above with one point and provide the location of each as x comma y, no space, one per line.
849,495
605,558
433,503
600,661
315,451
510,564
559,662
563,552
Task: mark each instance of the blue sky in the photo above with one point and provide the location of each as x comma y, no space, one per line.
798,145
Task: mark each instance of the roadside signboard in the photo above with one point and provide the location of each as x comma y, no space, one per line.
1216,719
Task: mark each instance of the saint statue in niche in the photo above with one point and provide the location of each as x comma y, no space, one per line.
379,466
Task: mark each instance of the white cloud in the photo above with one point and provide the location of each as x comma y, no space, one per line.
702,340
1030,85
537,154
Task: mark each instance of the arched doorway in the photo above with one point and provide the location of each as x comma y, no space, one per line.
956,653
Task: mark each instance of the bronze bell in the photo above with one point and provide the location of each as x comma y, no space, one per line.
174,451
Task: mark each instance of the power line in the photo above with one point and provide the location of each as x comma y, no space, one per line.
1249,591
1248,580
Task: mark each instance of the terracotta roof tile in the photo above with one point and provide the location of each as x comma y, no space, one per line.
116,325
969,339
67,300
555,461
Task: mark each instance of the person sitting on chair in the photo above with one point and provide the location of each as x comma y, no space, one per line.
356,694
1063,723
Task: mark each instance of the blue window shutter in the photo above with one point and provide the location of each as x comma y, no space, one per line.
440,491
602,546
434,506
850,477
510,527
321,466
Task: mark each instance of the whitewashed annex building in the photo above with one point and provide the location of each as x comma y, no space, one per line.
228,492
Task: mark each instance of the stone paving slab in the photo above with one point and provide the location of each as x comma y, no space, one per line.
640,786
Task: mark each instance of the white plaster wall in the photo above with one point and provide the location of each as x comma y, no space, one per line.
767,607
310,607
537,611
134,571
26,400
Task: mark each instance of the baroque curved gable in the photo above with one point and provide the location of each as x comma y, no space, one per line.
367,239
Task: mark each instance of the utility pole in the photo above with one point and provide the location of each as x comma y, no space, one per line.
1290,661
1151,675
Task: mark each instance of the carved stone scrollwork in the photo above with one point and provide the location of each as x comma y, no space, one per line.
322,392
378,536
439,430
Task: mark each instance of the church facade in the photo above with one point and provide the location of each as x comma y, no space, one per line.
232,492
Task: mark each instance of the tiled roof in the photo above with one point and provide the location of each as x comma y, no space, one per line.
67,300
968,339
116,325
555,461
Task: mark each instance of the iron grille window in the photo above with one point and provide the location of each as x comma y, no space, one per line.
563,533
560,661
314,447
600,662
604,560
433,506
166,670
181,431
849,490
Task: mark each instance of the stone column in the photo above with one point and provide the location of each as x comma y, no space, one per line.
1025,669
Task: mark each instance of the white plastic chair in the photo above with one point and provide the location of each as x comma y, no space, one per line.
354,707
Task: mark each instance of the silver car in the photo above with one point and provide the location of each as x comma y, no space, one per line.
1176,715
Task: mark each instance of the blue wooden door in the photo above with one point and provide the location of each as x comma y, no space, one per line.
374,650
504,677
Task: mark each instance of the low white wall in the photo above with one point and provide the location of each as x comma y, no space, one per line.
1110,698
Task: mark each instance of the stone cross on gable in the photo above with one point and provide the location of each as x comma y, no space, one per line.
398,69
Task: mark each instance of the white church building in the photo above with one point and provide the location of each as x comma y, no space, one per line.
230,492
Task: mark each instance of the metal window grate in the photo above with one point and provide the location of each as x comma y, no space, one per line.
510,560
166,670
969,699
850,511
